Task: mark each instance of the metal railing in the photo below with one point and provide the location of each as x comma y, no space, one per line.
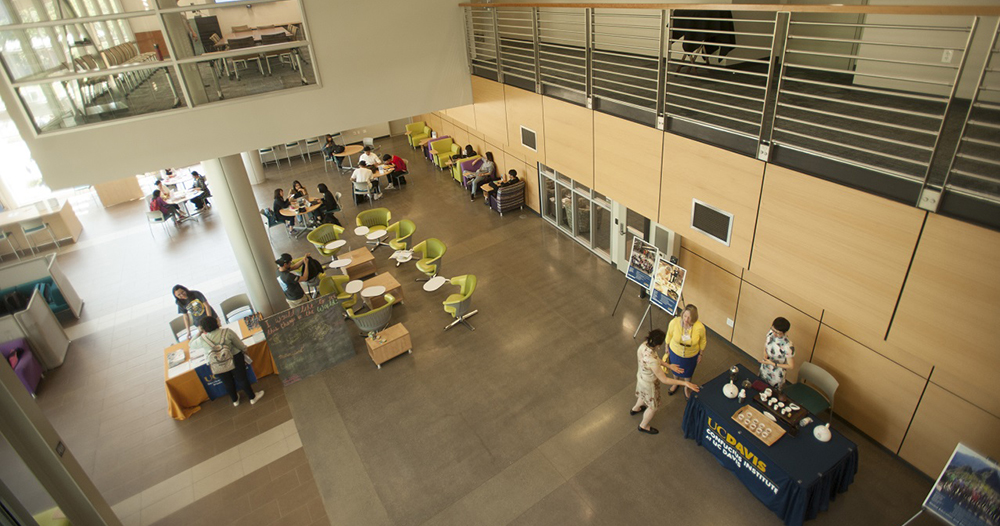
873,89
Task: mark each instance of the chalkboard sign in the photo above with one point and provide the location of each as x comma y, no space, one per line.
308,339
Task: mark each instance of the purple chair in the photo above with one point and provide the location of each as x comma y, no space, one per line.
470,166
27,369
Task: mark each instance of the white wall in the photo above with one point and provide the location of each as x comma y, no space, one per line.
424,62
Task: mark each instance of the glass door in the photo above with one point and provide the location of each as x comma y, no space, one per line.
627,226
576,210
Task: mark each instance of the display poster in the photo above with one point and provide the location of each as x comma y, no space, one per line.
641,263
968,491
668,283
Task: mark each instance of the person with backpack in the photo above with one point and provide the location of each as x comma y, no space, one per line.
226,357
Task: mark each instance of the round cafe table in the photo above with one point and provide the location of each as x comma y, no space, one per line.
435,283
375,237
372,292
339,263
334,245
361,231
354,287
300,215
181,199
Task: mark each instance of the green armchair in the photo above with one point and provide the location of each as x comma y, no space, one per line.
335,285
324,234
458,305
375,218
431,250
441,151
403,230
417,131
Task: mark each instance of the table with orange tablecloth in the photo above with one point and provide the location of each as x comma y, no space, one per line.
185,392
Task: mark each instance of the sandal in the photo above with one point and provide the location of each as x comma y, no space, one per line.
633,413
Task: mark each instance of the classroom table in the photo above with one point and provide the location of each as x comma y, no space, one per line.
362,263
186,391
256,34
796,477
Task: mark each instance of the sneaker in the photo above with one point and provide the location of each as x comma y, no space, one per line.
257,396
237,402
378,196
389,186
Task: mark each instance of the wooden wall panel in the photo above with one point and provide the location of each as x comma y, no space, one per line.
627,163
477,141
808,307
720,261
524,108
876,395
460,136
942,421
499,157
725,180
713,290
569,140
490,108
435,122
754,314
876,341
844,249
465,115
949,310
531,187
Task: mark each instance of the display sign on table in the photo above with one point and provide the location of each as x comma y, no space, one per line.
641,263
668,283
308,338
968,491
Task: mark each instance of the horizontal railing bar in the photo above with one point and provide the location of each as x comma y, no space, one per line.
584,75
582,59
717,68
626,26
851,147
644,88
979,159
869,42
624,54
721,116
579,48
871,75
870,59
636,37
705,79
633,95
984,142
974,176
508,60
577,87
714,32
935,116
877,26
560,43
559,12
852,162
734,46
986,88
929,98
624,15
707,101
742,20
939,10
647,49
627,103
575,32
530,76
741,59
759,100
633,66
712,125
857,119
615,73
857,134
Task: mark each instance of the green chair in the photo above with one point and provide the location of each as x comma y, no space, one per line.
375,218
403,230
818,396
441,148
456,169
431,250
443,158
324,234
418,131
375,319
458,305
335,285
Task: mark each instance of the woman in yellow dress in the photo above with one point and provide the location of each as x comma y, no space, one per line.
685,343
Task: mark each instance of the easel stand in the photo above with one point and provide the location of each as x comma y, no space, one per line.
639,325
642,294
914,517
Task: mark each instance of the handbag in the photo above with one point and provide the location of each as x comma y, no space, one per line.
220,356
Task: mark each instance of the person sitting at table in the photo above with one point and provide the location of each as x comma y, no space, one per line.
507,180
686,339
201,184
648,379
164,190
291,284
298,191
328,205
779,353
396,177
169,211
363,179
226,357
369,157
469,151
485,173
193,306
280,203
330,148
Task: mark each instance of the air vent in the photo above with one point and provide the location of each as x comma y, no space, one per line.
528,138
712,222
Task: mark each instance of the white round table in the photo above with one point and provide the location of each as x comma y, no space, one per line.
372,292
333,245
354,287
435,283
339,263
361,231
375,235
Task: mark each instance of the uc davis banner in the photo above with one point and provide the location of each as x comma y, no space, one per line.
214,387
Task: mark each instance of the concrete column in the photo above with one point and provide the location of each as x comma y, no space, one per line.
254,166
179,32
233,198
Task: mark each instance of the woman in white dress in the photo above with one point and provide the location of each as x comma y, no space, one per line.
779,354
649,377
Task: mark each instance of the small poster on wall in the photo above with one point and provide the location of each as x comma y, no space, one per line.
968,491
641,263
668,283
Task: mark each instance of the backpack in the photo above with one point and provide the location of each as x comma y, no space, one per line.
315,268
338,148
220,356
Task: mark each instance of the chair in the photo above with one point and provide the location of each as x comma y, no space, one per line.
10,241
274,155
456,168
239,303
310,143
469,165
282,54
368,141
416,132
431,250
819,396
177,328
458,305
244,43
441,148
335,285
377,218
154,216
297,146
375,319
403,230
507,198
28,369
324,234
240,29
271,221
444,158
362,189
34,226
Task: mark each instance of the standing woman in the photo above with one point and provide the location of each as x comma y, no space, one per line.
779,354
686,341
193,306
226,357
648,379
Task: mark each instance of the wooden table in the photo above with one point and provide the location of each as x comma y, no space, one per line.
362,263
391,287
58,213
299,215
389,344
349,151
256,34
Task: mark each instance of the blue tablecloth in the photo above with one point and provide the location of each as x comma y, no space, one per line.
796,478
214,387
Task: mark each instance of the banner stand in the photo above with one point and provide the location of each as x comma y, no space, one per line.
638,326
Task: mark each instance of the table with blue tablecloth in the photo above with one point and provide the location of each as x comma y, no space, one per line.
796,477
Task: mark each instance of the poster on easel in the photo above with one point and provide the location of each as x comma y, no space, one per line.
668,283
641,263
968,491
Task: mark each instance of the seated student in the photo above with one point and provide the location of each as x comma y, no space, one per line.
398,170
484,174
507,180
328,206
363,179
298,191
330,148
169,211
469,151
280,203
369,157
164,190
291,283
201,184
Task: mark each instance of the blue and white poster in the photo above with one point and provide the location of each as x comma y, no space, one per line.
968,491
641,263
668,283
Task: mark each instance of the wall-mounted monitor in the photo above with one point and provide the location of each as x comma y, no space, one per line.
714,223
528,138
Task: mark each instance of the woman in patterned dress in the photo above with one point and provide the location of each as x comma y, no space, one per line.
779,353
649,377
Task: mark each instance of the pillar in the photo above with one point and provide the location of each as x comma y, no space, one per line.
233,199
254,166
